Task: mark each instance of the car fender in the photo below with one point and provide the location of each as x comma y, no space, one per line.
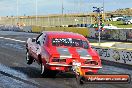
38,50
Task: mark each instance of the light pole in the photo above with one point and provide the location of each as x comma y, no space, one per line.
17,11
62,8
36,5
103,10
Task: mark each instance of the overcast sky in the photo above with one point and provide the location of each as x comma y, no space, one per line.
27,7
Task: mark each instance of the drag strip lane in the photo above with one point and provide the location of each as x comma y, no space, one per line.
14,58
20,79
12,39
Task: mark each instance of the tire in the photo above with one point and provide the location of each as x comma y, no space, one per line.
47,73
29,58
44,71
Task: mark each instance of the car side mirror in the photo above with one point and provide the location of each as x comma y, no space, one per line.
33,40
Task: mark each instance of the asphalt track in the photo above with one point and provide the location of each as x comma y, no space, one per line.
15,73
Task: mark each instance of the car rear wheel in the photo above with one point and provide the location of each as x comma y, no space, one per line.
46,72
29,59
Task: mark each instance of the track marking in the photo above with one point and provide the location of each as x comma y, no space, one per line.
12,39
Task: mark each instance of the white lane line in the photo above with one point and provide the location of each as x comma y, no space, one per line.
12,39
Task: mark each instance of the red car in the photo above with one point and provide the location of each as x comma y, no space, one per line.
58,51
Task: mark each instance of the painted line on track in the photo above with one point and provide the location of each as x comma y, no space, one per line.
13,39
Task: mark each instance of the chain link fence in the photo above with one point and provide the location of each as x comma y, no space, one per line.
46,21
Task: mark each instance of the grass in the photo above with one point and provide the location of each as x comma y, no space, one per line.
119,24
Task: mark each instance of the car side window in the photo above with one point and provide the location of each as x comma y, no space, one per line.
40,40
44,39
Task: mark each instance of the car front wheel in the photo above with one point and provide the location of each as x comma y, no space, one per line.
46,72
29,59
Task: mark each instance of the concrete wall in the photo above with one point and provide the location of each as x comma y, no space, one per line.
10,28
113,34
119,55
27,28
81,30
36,28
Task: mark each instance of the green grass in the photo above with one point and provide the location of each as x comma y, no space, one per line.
119,24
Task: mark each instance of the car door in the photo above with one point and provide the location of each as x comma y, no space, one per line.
39,45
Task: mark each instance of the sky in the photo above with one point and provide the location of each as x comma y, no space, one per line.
45,7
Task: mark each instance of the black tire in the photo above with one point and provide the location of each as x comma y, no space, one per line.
29,59
44,71
47,73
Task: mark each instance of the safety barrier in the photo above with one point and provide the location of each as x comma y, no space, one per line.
36,29
10,28
119,55
113,34
84,31
27,28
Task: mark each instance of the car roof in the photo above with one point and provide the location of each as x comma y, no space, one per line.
61,34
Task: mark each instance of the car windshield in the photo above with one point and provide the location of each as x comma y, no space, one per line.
69,42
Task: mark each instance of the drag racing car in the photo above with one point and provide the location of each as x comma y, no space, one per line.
62,52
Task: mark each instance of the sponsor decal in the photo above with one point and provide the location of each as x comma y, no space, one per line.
108,78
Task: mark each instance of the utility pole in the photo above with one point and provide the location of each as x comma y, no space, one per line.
62,8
